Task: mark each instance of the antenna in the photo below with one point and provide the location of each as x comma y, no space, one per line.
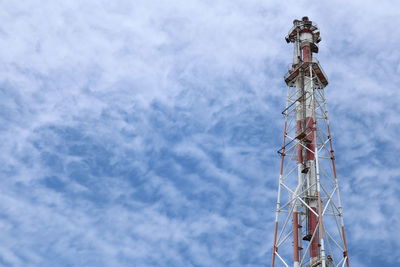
309,227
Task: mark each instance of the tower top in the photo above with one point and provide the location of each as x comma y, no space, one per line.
304,26
305,36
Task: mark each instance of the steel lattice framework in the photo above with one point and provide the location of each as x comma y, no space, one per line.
309,227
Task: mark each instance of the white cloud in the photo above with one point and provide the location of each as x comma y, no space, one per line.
129,127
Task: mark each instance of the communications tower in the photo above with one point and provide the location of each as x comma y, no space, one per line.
309,228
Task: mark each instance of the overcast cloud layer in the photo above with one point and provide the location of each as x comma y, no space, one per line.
144,133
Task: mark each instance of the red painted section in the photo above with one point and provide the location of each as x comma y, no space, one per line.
306,53
312,222
309,139
299,147
345,253
274,249
295,236
310,131
306,30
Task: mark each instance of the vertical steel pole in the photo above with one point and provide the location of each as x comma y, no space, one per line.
275,248
345,253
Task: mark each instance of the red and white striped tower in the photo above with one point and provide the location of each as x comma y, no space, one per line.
309,227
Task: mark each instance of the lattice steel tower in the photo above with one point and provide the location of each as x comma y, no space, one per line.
309,229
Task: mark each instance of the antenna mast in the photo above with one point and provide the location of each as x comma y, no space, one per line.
309,228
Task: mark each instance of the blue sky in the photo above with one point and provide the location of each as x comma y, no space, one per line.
144,133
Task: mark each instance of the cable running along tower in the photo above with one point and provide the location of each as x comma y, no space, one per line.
309,228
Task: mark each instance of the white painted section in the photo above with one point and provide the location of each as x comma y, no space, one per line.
323,261
306,37
278,201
